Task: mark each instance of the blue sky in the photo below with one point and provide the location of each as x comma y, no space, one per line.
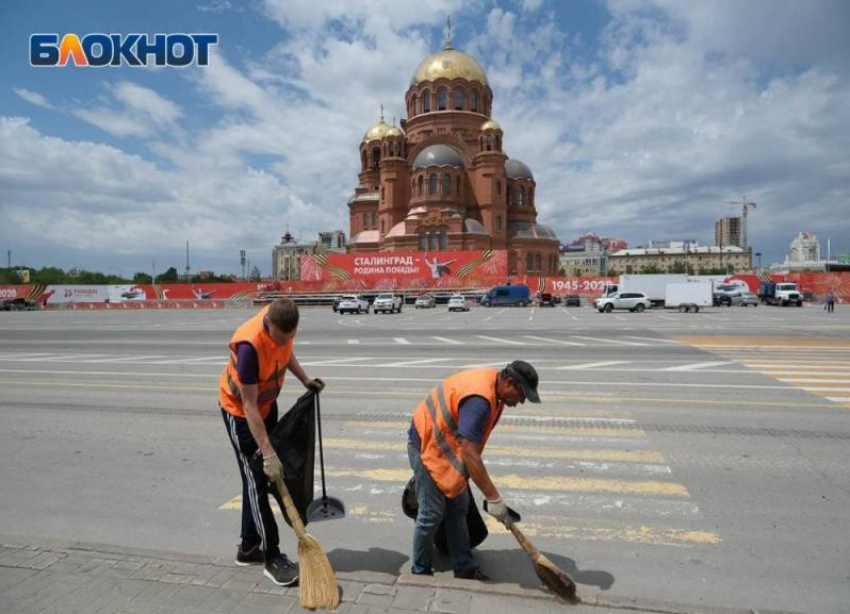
636,116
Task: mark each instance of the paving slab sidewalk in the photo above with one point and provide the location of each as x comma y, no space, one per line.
60,577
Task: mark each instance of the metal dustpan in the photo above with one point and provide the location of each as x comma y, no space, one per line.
326,508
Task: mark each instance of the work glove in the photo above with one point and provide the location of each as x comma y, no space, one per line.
498,509
316,385
272,467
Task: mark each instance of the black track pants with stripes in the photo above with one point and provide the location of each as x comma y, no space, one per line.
258,523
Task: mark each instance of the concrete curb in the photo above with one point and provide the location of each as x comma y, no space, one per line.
370,579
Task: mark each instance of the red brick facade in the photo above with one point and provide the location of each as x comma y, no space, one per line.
442,181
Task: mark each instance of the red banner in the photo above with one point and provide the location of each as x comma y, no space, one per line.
406,270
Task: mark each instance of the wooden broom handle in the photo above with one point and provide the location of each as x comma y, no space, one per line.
523,540
289,508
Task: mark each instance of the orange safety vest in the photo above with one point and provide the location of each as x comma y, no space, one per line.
272,360
440,449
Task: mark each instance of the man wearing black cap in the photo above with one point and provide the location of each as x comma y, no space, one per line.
447,436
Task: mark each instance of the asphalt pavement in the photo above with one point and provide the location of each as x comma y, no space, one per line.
696,459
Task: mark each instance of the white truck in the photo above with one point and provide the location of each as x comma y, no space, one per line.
653,286
689,296
387,303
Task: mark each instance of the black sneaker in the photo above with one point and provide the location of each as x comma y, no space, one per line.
282,571
472,574
251,556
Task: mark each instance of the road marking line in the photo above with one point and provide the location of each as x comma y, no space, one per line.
407,363
621,318
839,399
558,341
335,361
656,339
354,342
587,454
449,341
608,340
807,367
590,365
696,366
613,433
811,380
824,373
401,340
69,357
500,340
132,359
572,484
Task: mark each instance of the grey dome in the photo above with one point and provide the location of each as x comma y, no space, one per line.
474,227
437,155
516,169
528,230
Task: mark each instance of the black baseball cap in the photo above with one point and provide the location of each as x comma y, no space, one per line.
526,376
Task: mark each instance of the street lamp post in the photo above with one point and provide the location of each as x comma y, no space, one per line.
758,257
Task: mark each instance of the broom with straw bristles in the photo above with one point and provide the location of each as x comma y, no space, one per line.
549,573
317,586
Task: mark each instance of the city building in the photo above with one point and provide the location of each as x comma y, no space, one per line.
727,231
286,257
588,255
442,180
804,248
680,257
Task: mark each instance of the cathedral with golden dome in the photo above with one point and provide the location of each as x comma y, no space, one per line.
442,181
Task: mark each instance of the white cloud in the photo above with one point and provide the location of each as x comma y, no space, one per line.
141,111
32,97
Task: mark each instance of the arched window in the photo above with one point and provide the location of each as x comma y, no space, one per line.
421,183
374,220
458,100
413,105
423,241
489,142
537,262
444,240
383,192
441,99
426,101
521,196
432,184
498,188
510,195
433,241
498,223
529,262
376,157
474,101
447,185
383,225
458,185
365,221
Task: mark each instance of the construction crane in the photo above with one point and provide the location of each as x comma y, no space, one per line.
745,205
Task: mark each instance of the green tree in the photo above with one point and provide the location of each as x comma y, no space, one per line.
255,274
49,275
650,269
142,278
169,277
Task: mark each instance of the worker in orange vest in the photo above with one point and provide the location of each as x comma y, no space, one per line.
446,438
261,352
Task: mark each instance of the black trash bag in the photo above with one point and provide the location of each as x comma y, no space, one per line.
294,441
475,523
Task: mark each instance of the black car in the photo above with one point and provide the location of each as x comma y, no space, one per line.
572,300
336,303
722,300
547,300
17,304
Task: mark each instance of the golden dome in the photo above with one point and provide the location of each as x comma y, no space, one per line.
491,124
449,64
395,131
378,131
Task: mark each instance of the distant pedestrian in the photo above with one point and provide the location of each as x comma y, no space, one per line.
830,301
261,351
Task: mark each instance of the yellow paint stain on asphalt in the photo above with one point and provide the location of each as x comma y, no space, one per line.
750,342
361,511
624,456
506,428
635,534
562,484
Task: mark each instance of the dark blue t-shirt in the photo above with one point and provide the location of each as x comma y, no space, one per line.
473,417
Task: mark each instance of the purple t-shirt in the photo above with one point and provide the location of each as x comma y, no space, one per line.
473,417
247,364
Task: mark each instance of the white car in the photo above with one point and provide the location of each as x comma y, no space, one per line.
457,302
387,303
426,301
353,304
633,301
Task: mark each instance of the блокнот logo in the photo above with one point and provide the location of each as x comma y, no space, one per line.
121,49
